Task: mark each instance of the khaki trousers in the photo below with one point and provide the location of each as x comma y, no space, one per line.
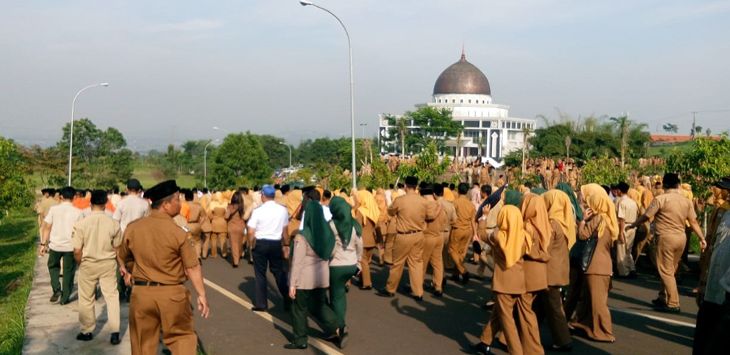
367,256
407,248
448,263
388,249
624,259
669,254
212,242
104,273
552,306
236,246
504,308
433,248
529,330
592,314
165,308
458,244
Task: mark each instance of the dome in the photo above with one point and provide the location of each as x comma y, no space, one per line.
462,77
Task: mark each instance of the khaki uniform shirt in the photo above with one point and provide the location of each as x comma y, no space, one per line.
45,205
450,211
436,226
97,236
158,248
465,213
670,211
411,212
627,209
558,266
601,262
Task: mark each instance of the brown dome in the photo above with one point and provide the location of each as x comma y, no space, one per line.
462,77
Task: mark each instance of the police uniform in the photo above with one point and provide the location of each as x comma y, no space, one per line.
160,253
96,238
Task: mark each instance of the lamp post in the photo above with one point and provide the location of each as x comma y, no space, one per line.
205,162
71,134
363,125
352,94
288,146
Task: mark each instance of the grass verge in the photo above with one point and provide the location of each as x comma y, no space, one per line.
18,237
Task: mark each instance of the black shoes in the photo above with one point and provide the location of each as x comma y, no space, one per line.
258,309
483,349
55,297
418,298
465,278
384,293
85,336
342,337
562,348
366,288
115,339
667,309
64,302
658,302
292,346
438,294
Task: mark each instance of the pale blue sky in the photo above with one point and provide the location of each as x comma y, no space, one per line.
177,68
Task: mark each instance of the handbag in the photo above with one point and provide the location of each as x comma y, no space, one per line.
582,252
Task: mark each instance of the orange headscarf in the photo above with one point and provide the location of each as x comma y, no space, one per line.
292,200
382,204
536,219
511,237
449,195
367,206
635,195
602,205
560,209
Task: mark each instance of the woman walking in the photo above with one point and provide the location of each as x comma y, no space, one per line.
367,215
599,222
236,224
345,256
309,277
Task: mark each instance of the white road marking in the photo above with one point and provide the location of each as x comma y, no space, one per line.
324,347
656,318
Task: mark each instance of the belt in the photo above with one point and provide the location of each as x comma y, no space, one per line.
409,232
153,283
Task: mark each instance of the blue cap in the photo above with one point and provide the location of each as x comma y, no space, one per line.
268,191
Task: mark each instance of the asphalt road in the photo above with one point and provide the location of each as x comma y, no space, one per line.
445,325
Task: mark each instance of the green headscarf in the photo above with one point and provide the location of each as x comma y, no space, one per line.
564,187
538,190
317,231
513,197
342,218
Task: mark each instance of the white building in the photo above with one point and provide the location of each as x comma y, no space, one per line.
489,131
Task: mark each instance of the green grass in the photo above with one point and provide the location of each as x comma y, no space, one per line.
665,150
148,176
18,237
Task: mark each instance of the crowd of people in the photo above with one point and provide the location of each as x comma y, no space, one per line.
553,248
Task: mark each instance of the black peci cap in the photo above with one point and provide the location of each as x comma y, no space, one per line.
161,190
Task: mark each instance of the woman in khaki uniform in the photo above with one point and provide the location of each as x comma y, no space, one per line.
236,224
219,226
600,222
382,226
309,277
509,244
537,225
562,221
367,214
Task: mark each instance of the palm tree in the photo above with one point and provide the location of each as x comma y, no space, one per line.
402,127
526,130
623,123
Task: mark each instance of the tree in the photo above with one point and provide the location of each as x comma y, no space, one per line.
47,163
101,159
171,163
427,166
276,149
602,171
706,161
239,160
434,125
15,188
698,130
670,128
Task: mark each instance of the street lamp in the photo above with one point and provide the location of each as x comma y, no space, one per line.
352,91
205,162
71,135
363,125
288,146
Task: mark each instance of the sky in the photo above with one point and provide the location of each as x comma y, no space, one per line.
179,68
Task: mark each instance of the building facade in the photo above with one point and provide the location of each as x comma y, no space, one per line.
489,131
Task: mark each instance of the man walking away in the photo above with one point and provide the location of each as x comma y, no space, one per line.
56,240
95,240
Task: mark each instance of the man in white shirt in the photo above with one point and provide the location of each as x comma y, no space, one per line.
266,231
132,207
56,234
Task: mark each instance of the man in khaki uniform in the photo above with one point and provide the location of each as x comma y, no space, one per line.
195,217
627,211
433,245
161,259
670,211
463,232
95,239
411,212
450,212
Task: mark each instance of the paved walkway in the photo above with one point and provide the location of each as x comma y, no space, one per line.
52,328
